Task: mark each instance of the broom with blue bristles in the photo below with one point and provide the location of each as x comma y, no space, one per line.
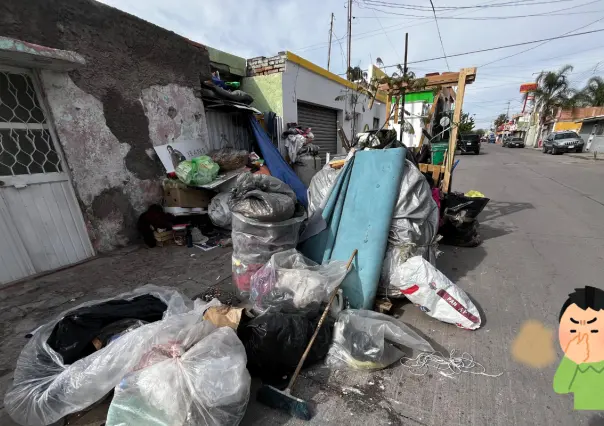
283,399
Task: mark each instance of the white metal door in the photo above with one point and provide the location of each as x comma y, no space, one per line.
41,225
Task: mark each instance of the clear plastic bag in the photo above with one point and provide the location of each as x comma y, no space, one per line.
45,389
219,210
179,384
291,278
256,242
363,340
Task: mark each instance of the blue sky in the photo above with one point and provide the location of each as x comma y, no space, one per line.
263,27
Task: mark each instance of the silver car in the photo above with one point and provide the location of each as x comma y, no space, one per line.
563,141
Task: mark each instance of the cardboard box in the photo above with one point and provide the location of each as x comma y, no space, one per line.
187,197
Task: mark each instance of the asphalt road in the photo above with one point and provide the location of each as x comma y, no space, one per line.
543,235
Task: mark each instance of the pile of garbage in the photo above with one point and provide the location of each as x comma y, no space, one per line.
298,141
309,273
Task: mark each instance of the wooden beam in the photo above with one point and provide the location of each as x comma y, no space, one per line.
461,90
444,79
396,105
387,124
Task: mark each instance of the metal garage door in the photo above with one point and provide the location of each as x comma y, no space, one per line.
41,225
323,122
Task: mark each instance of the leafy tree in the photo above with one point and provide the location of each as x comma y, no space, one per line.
593,93
466,123
501,119
553,91
480,132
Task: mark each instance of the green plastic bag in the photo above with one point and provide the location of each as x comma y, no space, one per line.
197,171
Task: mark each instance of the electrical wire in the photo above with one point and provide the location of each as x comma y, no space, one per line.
540,44
445,8
493,18
373,33
472,52
440,37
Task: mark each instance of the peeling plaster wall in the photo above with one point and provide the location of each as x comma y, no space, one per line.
137,90
175,114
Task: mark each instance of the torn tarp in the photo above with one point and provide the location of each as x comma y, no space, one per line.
276,164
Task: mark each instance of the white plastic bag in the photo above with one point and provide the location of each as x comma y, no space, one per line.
173,384
436,295
290,277
45,389
362,340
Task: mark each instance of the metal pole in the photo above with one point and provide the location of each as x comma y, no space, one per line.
349,38
402,114
329,50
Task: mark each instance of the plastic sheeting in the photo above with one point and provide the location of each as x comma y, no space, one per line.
275,162
320,187
290,278
436,295
201,380
413,231
45,389
363,340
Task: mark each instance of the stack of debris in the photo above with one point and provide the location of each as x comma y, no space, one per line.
174,361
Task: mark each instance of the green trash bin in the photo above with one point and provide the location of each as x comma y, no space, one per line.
438,152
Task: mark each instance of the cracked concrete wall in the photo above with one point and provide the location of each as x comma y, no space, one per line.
137,90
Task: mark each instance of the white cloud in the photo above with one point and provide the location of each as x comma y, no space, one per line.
263,27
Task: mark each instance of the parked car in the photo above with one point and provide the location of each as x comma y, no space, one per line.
563,141
513,142
469,142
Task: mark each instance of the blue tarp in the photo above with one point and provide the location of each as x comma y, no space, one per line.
357,215
276,164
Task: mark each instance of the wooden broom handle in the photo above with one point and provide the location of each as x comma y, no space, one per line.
315,334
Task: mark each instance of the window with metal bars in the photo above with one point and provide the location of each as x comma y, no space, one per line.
26,146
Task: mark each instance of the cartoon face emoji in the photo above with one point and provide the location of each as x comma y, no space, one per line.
581,334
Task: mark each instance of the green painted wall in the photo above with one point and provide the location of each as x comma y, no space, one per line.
267,91
236,64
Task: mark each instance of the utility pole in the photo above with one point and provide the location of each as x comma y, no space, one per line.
330,34
400,135
508,114
349,38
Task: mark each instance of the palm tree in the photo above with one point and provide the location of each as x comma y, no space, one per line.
593,93
553,91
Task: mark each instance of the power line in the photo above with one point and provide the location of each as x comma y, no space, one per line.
540,44
445,8
489,18
439,36
500,47
387,36
372,33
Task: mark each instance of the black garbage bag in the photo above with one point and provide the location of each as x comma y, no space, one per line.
262,197
72,336
275,341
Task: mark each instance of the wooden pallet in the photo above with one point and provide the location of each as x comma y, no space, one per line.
437,171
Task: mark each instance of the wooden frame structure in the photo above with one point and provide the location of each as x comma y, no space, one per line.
440,173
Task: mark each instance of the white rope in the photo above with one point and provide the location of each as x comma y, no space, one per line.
448,367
